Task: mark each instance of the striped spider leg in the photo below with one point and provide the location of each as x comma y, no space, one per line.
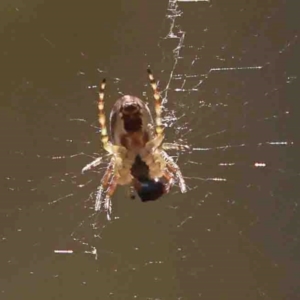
158,120
111,176
159,162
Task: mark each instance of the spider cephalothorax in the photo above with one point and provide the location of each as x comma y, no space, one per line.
137,152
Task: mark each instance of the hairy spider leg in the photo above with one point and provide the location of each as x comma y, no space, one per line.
107,145
170,179
102,119
158,105
105,182
174,168
92,165
109,192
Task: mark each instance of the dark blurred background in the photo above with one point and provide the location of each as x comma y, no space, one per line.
228,71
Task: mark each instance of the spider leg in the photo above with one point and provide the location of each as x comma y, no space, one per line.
170,179
107,145
92,165
158,105
174,168
104,183
102,120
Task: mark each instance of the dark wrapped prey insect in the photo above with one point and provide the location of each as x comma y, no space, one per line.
138,156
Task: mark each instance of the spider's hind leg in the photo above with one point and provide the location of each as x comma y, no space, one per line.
174,168
109,192
168,175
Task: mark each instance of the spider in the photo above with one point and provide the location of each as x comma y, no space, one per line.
137,151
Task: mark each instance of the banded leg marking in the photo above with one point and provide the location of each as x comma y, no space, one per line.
102,119
158,105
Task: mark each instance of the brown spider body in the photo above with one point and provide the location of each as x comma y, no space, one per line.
131,126
130,121
137,150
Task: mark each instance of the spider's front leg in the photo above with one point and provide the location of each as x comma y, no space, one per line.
152,145
107,145
118,172
158,106
158,138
